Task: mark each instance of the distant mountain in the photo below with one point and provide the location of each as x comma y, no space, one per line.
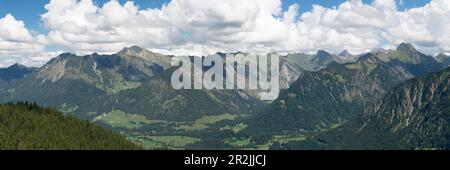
109,73
319,100
414,115
81,84
134,80
302,60
289,72
146,55
130,91
157,100
28,126
345,54
322,58
15,72
313,62
416,62
9,75
326,98
444,59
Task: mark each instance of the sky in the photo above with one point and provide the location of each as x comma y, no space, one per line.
32,32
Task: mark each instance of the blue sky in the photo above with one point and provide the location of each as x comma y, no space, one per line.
30,10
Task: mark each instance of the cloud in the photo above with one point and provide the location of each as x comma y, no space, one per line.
17,44
34,59
181,25
189,26
359,27
199,26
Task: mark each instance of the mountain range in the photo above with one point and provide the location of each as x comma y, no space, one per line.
105,78
330,96
413,115
130,92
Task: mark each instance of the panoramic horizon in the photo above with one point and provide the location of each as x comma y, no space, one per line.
218,52
31,36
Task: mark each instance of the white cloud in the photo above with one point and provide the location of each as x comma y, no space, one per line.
18,45
184,26
359,27
178,26
13,30
34,59
199,26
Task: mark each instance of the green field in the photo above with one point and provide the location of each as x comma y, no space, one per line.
147,144
164,142
192,127
120,119
215,118
236,128
205,121
280,139
238,142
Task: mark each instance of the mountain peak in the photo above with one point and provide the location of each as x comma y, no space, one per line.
15,71
322,53
441,56
368,57
17,65
406,48
344,53
378,50
65,55
62,56
322,57
133,50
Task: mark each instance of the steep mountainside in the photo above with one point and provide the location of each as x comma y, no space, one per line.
94,84
109,73
289,71
134,80
158,100
323,58
326,98
293,65
82,84
315,62
414,115
27,126
412,60
444,59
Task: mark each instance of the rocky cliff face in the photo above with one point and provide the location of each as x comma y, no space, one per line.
444,59
328,97
111,73
416,112
413,115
